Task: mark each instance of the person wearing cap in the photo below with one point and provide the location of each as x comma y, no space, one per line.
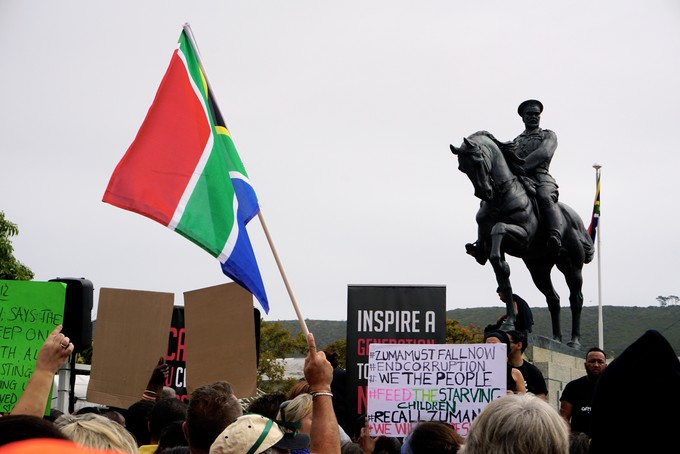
515,380
298,412
536,147
257,434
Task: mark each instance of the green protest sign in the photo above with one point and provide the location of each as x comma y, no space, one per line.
29,311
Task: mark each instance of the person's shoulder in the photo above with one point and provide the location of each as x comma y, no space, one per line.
520,136
528,365
571,384
548,133
578,381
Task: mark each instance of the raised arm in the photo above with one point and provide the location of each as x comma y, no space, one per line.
520,387
154,388
325,437
566,410
55,350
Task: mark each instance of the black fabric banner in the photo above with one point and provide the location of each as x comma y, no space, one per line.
176,357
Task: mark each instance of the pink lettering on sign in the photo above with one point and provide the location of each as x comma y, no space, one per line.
394,395
176,351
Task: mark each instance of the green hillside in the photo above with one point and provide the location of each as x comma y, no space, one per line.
622,325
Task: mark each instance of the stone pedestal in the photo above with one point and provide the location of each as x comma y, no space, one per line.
559,364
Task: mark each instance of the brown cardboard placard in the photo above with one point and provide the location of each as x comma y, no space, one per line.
220,338
131,335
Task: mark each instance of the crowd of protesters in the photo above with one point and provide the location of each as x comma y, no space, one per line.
213,420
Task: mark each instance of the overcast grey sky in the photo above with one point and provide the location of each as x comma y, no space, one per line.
343,113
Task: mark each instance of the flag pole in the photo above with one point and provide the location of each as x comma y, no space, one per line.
303,326
600,324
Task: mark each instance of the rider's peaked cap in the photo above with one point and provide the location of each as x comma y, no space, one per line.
527,103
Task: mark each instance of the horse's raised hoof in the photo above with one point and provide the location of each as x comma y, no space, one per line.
474,250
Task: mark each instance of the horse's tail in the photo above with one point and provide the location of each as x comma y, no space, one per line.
574,221
588,247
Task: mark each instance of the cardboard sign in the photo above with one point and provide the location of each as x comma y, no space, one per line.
220,338
131,335
448,383
29,312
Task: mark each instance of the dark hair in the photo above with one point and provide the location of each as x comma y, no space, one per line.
89,409
173,450
356,426
433,437
172,435
596,349
387,445
54,414
114,416
24,427
518,336
163,413
136,421
212,408
351,448
267,405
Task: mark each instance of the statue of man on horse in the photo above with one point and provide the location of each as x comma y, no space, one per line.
529,156
520,214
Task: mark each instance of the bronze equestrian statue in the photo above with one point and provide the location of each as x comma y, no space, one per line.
520,215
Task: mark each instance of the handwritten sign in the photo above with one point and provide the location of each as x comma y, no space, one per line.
449,383
29,311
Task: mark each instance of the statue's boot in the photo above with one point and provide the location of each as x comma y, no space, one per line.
475,250
551,219
554,242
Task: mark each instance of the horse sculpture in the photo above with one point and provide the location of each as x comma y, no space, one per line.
508,224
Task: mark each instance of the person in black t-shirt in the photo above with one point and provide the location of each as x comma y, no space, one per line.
577,396
533,377
515,381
